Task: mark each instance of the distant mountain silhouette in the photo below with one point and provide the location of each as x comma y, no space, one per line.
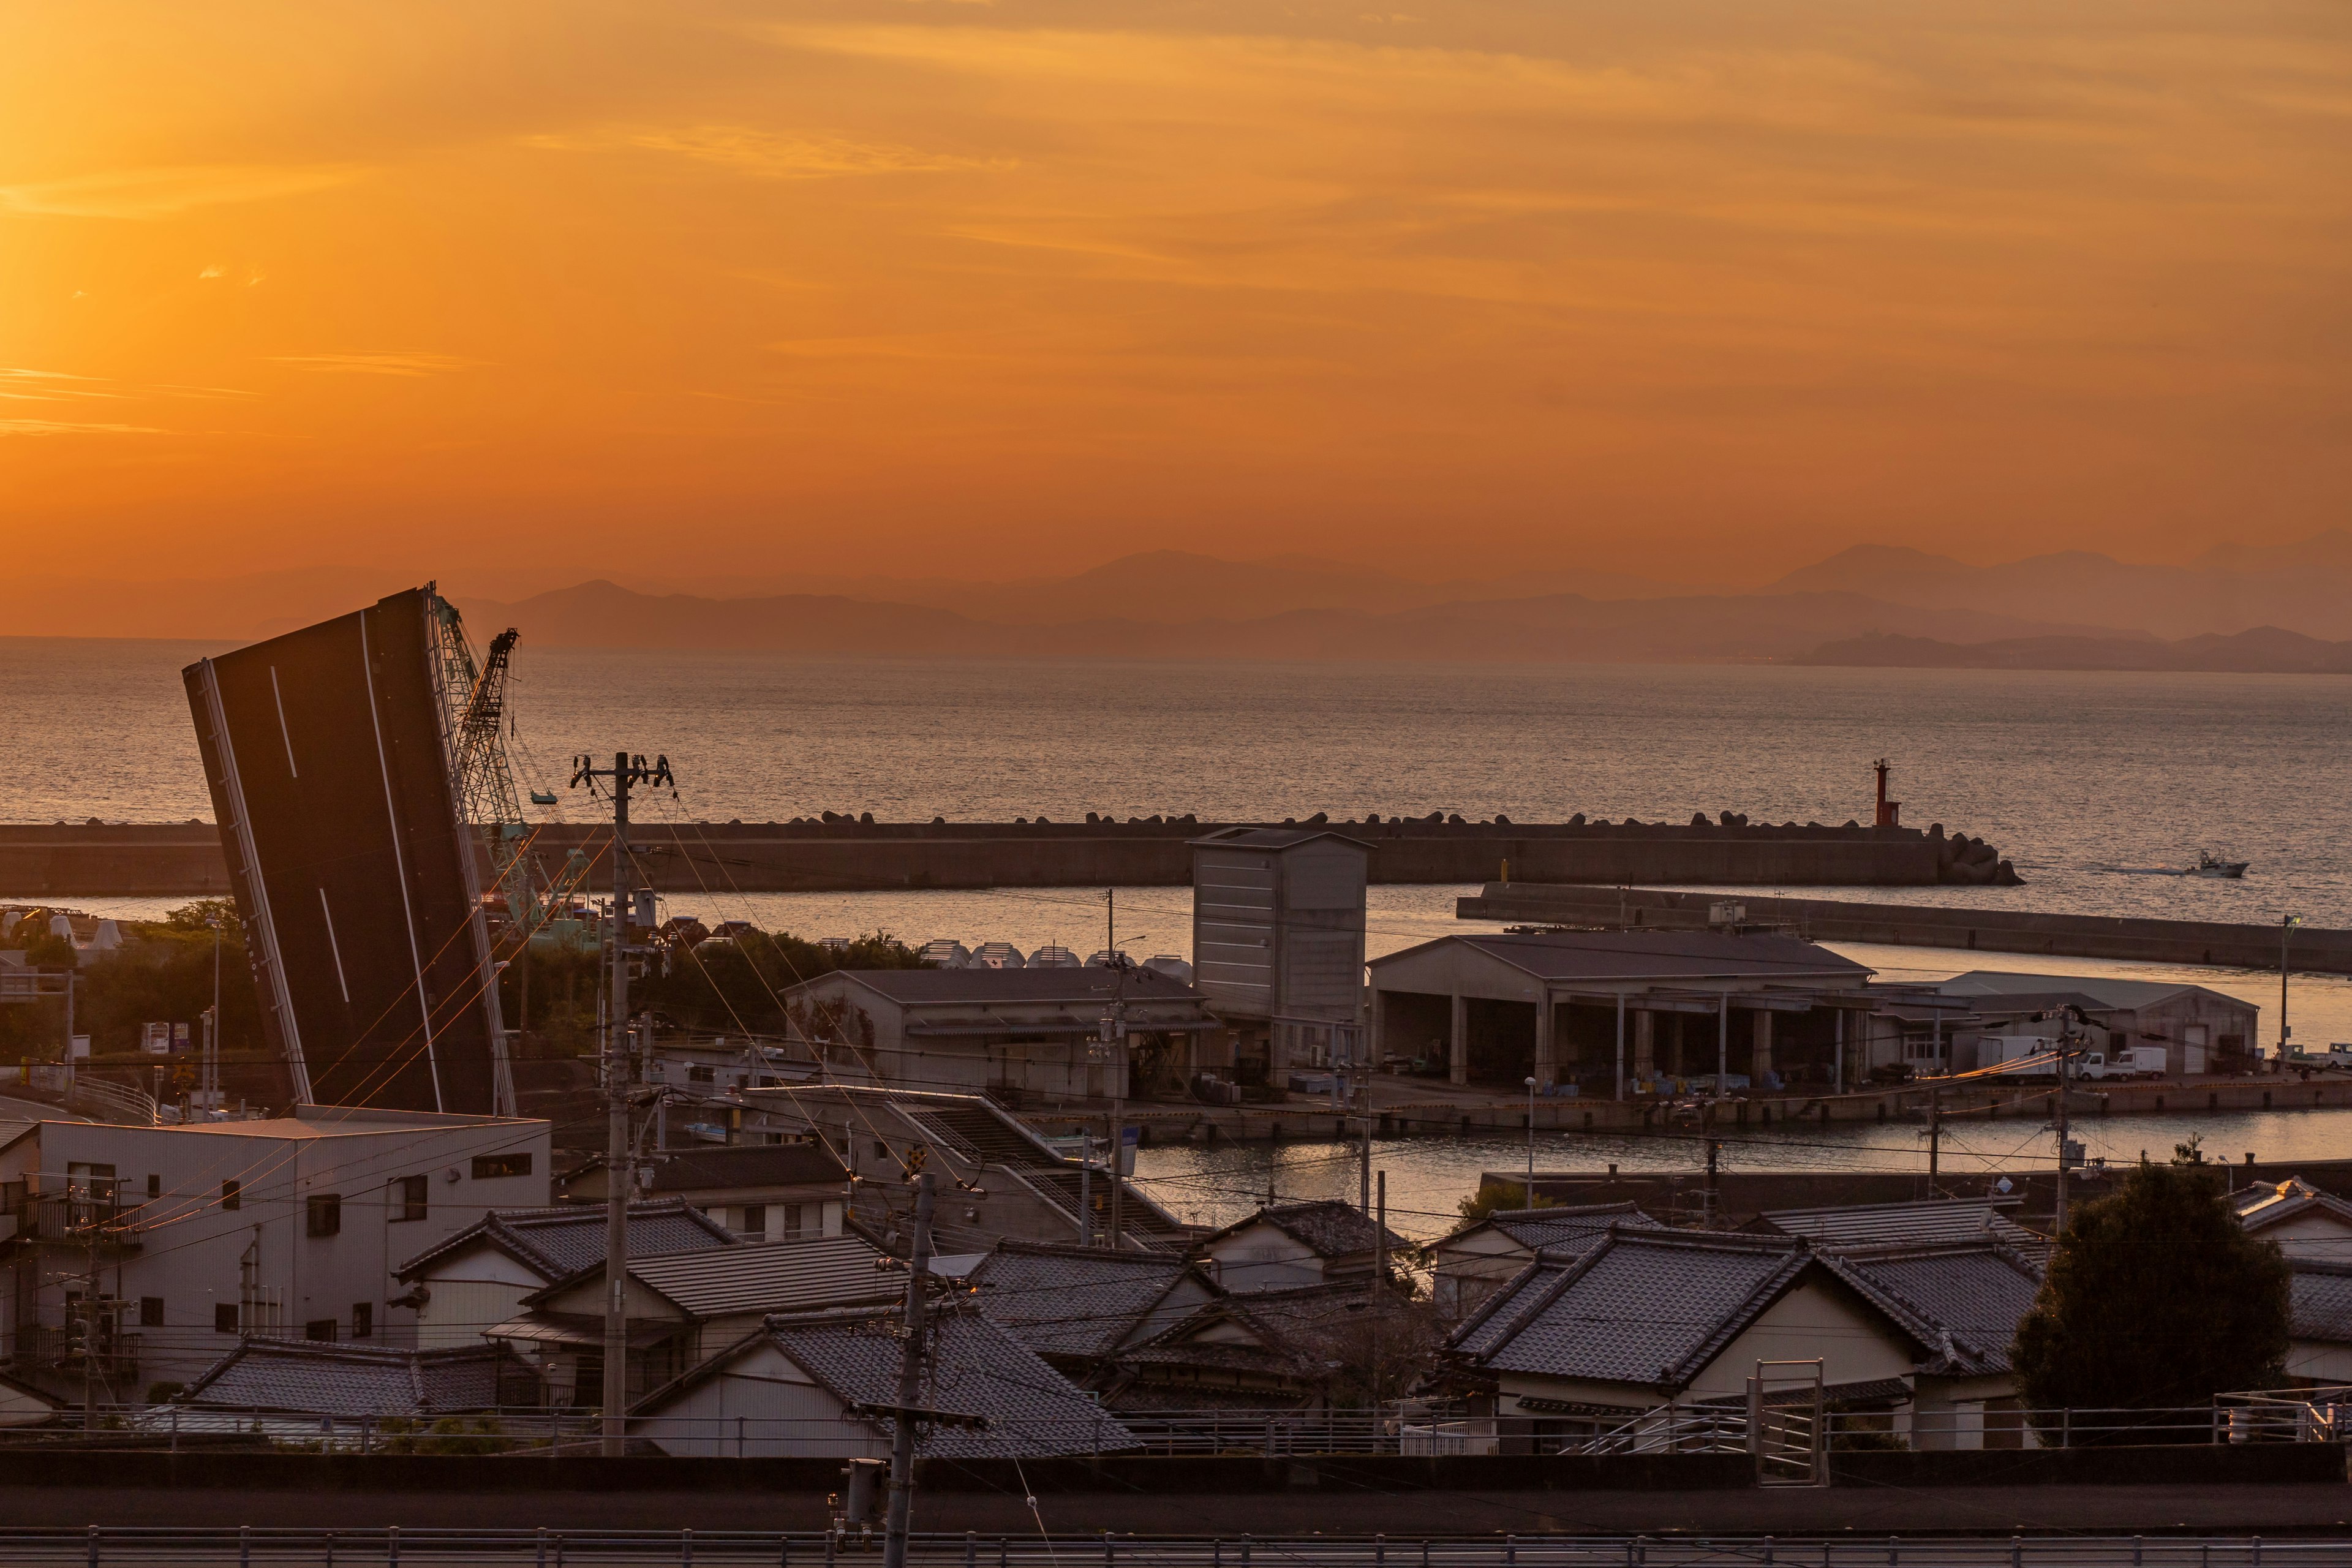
1567,627
2305,587
2263,650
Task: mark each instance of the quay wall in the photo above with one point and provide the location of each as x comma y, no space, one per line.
162,859
2212,943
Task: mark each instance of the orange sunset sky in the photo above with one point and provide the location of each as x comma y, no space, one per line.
1683,286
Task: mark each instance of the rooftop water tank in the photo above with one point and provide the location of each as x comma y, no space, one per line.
998,955
1054,956
1169,965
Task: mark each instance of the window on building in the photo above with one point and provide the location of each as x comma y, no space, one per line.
320,1329
363,1320
224,1317
791,1217
700,1073
150,1311
752,1221
155,1186
487,1166
232,1194
326,1213
408,1198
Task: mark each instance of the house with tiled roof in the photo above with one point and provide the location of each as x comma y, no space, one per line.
825,1384
1845,1227
479,1276
295,1377
680,1307
1480,1258
1272,1350
1079,1306
762,1192
1964,1299
2309,1225
1644,1318
2319,1342
1286,1246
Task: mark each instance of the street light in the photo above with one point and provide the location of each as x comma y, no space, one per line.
1531,1143
2287,923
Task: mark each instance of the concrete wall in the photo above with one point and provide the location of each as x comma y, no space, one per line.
165,859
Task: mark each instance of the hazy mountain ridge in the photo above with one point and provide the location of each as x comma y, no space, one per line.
2304,588
1545,628
2265,650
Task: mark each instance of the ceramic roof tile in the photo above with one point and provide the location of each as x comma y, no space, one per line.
355,1381
747,1165
2321,1303
1567,1227
1966,1299
772,1276
1070,1300
975,1368
1328,1227
559,1241
1644,1307
1878,1224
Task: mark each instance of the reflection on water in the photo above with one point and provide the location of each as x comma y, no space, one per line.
1428,1176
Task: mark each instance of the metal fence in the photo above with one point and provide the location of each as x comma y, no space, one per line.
97,1546
2315,1416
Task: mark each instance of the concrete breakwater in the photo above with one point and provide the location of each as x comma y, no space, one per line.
2208,942
845,854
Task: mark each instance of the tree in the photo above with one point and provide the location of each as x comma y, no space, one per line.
2156,1298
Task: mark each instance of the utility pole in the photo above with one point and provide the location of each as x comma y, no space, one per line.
620,1164
2287,925
1379,1283
89,1324
1115,1046
1713,1148
1935,1135
1530,1193
2067,1035
910,1382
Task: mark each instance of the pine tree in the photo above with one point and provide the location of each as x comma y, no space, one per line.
2156,1298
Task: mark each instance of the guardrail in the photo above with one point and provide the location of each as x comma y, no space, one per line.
99,1545
557,1433
524,1433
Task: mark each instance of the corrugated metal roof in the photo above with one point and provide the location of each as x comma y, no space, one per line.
1070,1300
1878,1224
354,1379
975,1368
1655,956
2110,991
772,1277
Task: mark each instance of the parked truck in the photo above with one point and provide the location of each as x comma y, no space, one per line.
2087,1067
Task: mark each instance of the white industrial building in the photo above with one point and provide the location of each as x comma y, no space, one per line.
181,1239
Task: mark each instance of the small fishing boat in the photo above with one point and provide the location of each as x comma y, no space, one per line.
2208,866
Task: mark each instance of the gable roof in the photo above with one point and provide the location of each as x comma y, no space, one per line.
1561,1227
1291,1334
1964,1300
974,1368
555,1243
1326,1228
2107,990
757,1277
1073,1300
747,1165
319,1379
1275,839
1652,955
2320,1302
1843,1225
1643,1307
2262,1207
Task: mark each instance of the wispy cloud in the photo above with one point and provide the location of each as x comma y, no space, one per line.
775,156
381,364
18,384
166,193
72,428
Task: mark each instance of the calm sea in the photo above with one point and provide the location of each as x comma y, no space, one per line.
2088,781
